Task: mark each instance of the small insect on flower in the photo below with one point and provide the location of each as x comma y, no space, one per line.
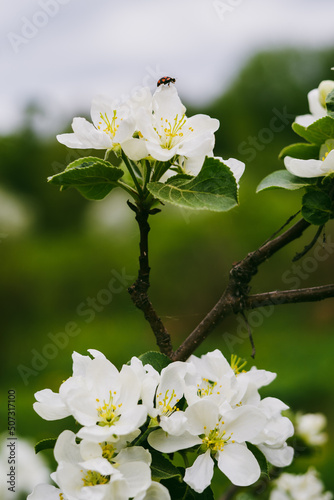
165,80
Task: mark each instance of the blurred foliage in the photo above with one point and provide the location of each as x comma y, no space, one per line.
61,269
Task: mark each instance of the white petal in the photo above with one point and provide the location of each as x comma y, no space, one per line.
137,476
193,165
80,364
272,406
130,388
134,454
304,168
239,464
100,465
89,450
50,405
135,149
199,475
167,104
43,492
155,492
305,120
244,422
259,378
237,167
96,354
202,124
197,146
85,136
202,414
280,457
161,441
316,109
66,449
159,153
175,424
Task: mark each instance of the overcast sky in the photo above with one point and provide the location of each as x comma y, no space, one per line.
63,52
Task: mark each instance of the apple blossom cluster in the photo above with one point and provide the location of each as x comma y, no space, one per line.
299,487
309,164
153,151
325,164
205,408
153,127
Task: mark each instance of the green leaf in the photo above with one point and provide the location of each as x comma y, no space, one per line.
301,150
155,359
330,104
283,179
318,132
263,463
162,468
317,207
214,188
45,444
93,177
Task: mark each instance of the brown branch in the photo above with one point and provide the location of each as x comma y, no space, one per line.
236,292
281,297
138,291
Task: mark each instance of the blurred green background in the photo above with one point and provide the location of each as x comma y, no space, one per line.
60,251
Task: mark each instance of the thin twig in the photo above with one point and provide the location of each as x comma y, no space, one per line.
250,335
309,246
284,225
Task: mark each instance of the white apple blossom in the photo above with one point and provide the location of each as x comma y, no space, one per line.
211,376
300,487
97,471
165,131
102,399
220,434
311,168
113,123
317,103
163,409
310,427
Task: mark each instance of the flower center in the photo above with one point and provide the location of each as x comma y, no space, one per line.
237,364
108,451
92,478
108,413
167,403
215,439
208,388
171,133
110,127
